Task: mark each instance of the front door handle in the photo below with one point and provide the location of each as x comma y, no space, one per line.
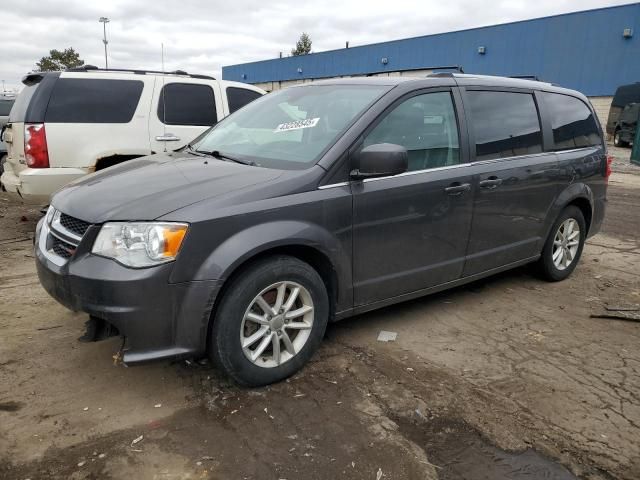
168,137
457,188
491,183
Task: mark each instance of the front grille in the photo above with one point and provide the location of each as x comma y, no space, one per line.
61,236
62,248
75,225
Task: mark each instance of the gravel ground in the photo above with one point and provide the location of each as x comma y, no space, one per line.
506,378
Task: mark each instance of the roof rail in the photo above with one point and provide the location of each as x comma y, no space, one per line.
458,68
526,77
93,68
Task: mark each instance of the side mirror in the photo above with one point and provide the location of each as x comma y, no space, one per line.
380,160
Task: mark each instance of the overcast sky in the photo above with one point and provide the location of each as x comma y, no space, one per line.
200,36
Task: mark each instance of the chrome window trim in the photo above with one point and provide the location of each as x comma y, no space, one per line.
461,165
333,185
417,172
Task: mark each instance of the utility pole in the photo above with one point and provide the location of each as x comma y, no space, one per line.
104,21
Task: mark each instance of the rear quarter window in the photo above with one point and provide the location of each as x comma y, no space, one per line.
239,97
80,100
572,122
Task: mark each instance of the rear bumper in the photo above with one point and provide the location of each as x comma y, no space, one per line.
158,319
35,185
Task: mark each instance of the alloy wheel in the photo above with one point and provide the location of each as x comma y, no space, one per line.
277,324
566,244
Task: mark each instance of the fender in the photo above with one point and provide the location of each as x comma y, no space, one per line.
257,239
569,194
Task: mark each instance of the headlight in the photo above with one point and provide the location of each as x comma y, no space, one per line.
140,244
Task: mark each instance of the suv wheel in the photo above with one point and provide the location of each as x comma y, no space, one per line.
564,246
270,321
617,140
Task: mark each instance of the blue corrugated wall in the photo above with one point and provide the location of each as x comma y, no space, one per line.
583,50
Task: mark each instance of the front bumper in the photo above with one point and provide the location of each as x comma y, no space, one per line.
36,185
158,319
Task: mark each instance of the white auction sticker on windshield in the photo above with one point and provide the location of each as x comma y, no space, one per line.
297,125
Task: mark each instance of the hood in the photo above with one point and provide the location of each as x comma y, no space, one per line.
148,187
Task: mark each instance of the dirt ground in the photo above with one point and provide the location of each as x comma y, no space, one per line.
506,378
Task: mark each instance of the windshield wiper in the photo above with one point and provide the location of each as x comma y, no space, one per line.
197,152
222,156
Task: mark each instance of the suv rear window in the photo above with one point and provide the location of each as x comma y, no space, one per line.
505,124
573,123
95,100
187,104
239,97
5,107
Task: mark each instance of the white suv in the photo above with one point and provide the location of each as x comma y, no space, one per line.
65,125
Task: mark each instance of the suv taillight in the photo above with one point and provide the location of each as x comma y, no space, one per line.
608,170
35,145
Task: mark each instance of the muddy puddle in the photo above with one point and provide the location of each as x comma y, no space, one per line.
460,452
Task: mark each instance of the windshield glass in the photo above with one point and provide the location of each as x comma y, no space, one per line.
290,129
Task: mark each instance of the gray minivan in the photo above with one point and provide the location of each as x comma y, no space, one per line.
322,201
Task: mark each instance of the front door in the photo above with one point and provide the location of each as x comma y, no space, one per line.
410,231
516,181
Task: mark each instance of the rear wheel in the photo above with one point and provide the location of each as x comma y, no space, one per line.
270,321
563,248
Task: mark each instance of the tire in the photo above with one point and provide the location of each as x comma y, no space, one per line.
241,318
617,141
552,265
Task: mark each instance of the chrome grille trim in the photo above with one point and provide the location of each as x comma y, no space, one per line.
57,226
57,242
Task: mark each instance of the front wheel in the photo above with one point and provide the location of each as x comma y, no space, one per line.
270,321
563,248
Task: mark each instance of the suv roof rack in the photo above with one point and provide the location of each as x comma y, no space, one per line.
458,68
93,68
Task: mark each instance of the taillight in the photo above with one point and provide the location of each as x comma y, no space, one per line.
608,170
35,146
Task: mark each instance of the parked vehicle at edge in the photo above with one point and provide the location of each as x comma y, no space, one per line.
626,126
67,124
625,94
322,201
6,102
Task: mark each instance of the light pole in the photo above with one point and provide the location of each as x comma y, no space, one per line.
104,21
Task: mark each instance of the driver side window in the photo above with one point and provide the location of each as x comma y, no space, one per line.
426,126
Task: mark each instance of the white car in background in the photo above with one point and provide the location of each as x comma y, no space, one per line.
65,125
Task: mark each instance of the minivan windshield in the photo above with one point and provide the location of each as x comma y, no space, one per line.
289,129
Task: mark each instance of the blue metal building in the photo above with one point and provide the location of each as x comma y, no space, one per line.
593,51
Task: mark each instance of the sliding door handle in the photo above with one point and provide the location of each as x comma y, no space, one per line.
457,188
